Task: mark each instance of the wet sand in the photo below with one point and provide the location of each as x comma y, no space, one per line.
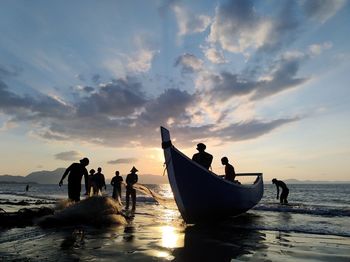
158,234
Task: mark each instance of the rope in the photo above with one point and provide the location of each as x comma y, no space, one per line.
166,163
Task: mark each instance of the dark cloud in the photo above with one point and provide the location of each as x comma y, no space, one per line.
123,161
118,98
189,63
81,77
227,85
119,114
281,76
237,26
68,156
172,103
88,89
31,107
251,129
234,132
322,10
96,78
7,71
285,28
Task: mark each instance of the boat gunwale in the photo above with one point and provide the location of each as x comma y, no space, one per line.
244,186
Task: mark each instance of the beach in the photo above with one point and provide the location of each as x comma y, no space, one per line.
315,227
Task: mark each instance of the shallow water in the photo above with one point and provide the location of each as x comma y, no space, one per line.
315,227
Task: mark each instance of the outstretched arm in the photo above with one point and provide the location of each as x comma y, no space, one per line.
64,175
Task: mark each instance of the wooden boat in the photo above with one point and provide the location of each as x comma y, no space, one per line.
200,194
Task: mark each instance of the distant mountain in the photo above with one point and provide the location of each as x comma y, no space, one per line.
53,177
9,178
40,177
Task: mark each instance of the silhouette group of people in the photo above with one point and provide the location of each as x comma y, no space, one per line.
205,159
95,182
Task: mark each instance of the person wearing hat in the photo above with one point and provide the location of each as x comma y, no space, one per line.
285,190
75,173
203,158
131,179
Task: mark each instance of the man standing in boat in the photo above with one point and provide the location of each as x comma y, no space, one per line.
230,173
76,171
131,179
203,158
285,190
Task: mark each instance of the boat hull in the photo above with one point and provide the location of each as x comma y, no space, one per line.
201,195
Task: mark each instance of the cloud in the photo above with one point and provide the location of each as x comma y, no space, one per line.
141,62
240,27
96,78
9,71
123,161
118,113
171,104
322,10
188,22
317,49
189,63
251,129
214,56
281,76
31,107
68,156
118,98
234,132
237,27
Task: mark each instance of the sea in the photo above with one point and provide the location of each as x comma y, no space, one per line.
315,226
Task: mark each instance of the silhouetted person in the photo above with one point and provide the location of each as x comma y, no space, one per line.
131,179
91,182
203,158
27,188
99,179
230,173
285,190
116,182
75,172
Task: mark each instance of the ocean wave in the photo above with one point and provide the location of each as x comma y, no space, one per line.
29,195
305,209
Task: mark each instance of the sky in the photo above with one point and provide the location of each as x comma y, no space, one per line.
265,83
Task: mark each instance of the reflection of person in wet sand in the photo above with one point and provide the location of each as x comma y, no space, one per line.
75,173
131,179
203,158
285,190
116,182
